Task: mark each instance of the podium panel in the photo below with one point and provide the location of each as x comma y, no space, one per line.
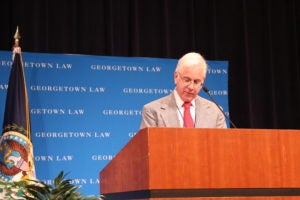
168,163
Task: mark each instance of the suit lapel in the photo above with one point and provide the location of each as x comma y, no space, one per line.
201,109
169,112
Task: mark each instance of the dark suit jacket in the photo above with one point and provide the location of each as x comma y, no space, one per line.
163,113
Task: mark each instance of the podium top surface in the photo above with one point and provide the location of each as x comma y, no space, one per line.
181,158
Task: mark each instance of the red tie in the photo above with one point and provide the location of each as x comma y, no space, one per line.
187,118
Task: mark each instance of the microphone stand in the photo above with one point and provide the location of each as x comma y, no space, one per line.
207,92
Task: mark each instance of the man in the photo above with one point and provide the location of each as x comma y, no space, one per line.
183,107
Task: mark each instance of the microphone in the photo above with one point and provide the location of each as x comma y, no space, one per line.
206,90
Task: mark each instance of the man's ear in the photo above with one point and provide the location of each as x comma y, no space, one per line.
175,78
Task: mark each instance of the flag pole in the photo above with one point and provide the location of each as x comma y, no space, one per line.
16,46
17,38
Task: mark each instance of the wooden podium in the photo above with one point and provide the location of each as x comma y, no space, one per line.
206,164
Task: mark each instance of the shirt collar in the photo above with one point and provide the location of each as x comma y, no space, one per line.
179,101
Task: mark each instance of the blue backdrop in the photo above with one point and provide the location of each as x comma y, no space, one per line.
84,109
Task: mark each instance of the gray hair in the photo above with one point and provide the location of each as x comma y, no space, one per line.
191,59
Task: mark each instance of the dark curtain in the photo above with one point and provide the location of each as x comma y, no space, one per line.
259,38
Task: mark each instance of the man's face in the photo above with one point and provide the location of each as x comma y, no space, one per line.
188,82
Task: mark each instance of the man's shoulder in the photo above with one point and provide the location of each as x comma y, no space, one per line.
208,104
162,100
204,102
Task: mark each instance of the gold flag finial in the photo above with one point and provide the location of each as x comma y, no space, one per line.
17,37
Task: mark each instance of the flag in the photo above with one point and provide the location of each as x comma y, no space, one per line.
16,150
